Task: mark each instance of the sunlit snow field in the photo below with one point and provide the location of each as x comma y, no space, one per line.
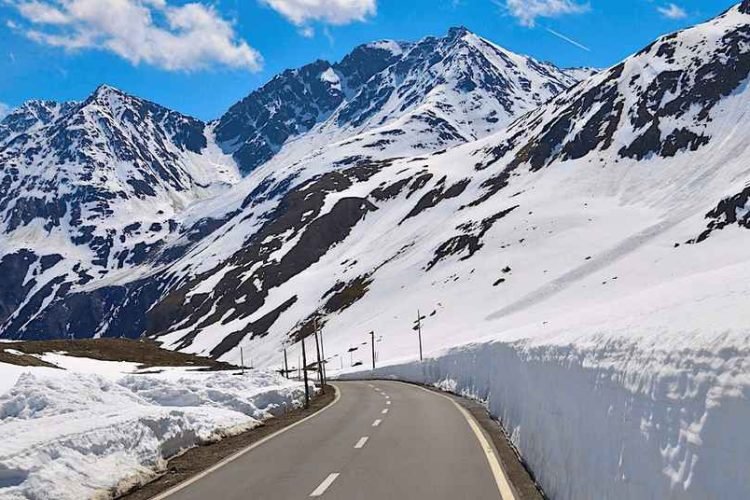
94,426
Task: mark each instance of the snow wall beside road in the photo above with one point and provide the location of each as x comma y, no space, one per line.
611,420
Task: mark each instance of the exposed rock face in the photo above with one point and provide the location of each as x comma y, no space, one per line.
88,189
636,110
102,201
460,85
254,129
118,221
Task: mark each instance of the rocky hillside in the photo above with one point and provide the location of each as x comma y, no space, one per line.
111,202
569,204
441,91
566,209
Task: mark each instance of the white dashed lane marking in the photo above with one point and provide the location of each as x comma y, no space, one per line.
361,443
376,423
327,482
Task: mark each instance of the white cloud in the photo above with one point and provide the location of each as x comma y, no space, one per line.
4,110
306,31
672,11
527,11
173,37
339,12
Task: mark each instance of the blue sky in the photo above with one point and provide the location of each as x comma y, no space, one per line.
199,57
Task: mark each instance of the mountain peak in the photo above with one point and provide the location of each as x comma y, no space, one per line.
458,31
105,91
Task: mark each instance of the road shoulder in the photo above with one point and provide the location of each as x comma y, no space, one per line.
196,461
521,479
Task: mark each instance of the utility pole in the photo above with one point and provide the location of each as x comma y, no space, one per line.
242,361
372,339
304,371
320,365
286,364
419,332
323,355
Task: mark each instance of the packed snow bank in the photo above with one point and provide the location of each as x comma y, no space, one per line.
615,420
76,435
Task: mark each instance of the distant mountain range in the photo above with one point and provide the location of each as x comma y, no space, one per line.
448,175
99,193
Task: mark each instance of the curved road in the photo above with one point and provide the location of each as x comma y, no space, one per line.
377,441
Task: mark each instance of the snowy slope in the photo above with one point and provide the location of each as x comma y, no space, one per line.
113,202
93,189
31,115
593,253
434,94
99,427
624,164
592,250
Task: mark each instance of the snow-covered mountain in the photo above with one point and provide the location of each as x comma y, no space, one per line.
108,195
437,92
589,239
623,167
91,190
592,257
30,115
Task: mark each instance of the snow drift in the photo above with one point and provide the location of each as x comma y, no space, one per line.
74,435
644,398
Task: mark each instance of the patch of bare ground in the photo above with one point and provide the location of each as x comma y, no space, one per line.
145,352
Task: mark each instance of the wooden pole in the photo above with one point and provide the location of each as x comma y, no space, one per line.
419,332
323,355
320,364
304,371
286,365
372,338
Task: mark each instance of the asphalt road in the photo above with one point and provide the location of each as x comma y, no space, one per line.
379,440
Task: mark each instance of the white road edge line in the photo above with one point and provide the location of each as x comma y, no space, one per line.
361,443
237,455
327,482
501,479
376,423
384,411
